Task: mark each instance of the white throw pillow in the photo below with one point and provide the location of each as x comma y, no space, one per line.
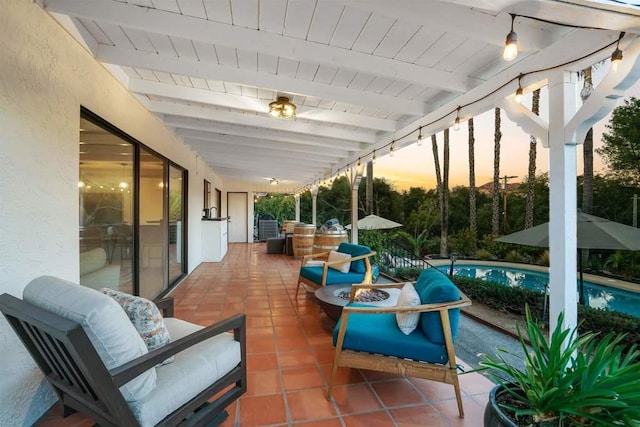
408,321
339,256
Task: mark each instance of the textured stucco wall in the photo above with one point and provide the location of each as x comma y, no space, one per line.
45,76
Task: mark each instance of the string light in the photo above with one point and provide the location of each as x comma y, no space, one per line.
511,44
616,56
456,123
359,164
420,137
519,90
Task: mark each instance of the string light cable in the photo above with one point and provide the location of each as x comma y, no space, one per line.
518,78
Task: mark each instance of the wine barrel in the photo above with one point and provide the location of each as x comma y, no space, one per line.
325,241
303,239
288,226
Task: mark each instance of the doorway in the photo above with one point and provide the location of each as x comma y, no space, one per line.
237,212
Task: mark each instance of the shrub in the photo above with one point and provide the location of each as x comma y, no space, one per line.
463,242
544,258
514,256
483,254
409,274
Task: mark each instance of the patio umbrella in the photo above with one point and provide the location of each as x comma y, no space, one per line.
592,233
375,222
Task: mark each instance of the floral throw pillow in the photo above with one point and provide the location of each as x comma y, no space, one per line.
145,317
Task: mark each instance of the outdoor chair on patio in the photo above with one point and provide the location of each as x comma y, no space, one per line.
351,265
99,363
414,338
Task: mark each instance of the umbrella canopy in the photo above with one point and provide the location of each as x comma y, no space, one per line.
375,222
593,233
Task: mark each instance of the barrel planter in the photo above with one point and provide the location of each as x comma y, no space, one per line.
303,235
493,415
325,241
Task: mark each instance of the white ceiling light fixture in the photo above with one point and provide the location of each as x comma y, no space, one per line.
273,181
282,108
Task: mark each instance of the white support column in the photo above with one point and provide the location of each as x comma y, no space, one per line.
562,202
297,199
314,199
355,178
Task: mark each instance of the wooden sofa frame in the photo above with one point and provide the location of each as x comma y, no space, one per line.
66,356
447,374
323,256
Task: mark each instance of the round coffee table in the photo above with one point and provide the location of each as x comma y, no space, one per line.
332,298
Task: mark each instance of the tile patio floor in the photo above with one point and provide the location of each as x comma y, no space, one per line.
289,355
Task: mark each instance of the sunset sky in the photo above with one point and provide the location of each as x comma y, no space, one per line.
413,166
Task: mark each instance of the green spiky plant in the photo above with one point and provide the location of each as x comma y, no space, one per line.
570,380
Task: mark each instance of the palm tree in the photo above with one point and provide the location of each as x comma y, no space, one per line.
495,197
473,217
444,230
528,216
436,161
587,149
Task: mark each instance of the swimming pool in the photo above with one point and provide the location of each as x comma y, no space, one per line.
597,296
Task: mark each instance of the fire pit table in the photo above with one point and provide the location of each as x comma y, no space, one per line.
333,298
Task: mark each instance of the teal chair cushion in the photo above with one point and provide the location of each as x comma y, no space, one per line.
334,277
434,287
379,333
357,266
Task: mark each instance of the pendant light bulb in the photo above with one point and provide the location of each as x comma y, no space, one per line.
373,159
511,44
420,137
391,149
519,95
616,56
456,123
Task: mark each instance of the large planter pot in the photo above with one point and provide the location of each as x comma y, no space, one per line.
493,415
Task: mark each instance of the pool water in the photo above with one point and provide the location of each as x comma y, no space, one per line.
597,296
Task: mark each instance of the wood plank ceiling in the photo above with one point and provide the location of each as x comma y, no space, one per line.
362,73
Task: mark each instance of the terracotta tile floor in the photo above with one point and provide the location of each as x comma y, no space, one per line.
290,354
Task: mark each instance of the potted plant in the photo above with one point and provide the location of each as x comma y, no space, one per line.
567,380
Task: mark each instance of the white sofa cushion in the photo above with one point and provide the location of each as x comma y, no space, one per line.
103,320
192,371
92,260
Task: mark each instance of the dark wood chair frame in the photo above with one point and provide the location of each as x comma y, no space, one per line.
66,356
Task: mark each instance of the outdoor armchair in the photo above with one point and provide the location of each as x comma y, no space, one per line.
97,362
368,337
316,271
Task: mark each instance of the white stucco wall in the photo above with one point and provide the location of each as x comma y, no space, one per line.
45,76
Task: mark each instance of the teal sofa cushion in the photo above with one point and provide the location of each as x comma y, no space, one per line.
379,333
433,287
357,266
334,277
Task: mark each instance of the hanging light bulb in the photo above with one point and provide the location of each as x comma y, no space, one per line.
511,44
123,184
456,123
373,159
519,91
359,163
420,137
616,56
392,148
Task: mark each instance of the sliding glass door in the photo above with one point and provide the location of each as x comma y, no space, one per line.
132,213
